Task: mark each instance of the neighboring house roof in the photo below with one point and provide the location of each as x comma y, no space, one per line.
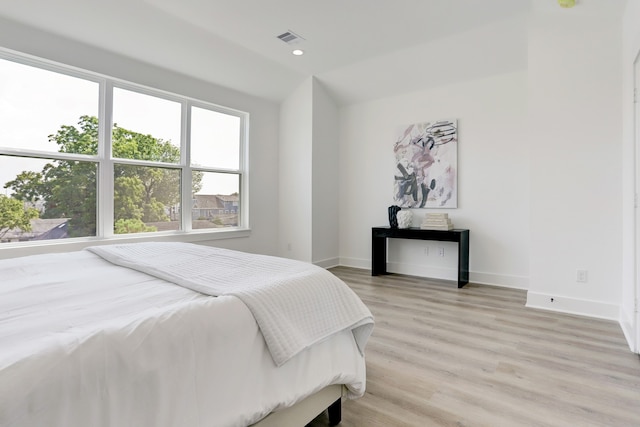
232,198
57,232
207,201
212,201
41,229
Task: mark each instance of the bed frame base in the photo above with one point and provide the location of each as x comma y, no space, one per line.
306,410
335,412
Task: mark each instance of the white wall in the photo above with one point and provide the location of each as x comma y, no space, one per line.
295,168
309,175
540,182
629,317
325,183
492,178
477,77
263,160
575,126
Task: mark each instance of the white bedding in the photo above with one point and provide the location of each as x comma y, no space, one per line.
296,304
87,343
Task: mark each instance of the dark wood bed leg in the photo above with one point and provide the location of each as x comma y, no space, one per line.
335,412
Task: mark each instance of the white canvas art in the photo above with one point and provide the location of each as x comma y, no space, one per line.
426,173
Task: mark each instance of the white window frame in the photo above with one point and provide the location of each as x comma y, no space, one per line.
105,161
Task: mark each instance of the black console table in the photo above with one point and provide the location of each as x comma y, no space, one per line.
379,236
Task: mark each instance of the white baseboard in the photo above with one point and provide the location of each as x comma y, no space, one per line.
534,300
364,264
431,272
328,263
402,268
502,280
505,281
568,305
626,323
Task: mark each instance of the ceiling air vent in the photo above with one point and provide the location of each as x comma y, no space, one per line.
290,37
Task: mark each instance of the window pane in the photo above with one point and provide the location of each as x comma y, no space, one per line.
47,199
36,105
217,203
145,127
215,139
146,199
43,112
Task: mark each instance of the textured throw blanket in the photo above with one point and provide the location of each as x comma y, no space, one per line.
295,304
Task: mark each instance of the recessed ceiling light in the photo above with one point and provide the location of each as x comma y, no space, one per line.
298,52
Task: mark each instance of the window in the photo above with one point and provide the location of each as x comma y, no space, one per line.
83,155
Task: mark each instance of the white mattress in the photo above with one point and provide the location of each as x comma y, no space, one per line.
86,343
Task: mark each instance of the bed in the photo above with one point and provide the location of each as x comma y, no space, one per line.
175,334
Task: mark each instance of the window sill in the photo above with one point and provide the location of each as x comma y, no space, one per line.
13,250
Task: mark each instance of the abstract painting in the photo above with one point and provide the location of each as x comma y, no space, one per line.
426,156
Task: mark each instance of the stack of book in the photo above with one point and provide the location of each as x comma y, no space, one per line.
436,221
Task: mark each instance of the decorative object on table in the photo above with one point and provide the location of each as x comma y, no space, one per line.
393,215
427,165
405,219
436,221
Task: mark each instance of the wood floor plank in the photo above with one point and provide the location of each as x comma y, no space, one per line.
476,356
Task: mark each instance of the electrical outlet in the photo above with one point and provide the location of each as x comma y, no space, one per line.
426,251
581,276
441,251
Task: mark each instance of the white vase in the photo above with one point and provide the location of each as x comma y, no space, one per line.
405,219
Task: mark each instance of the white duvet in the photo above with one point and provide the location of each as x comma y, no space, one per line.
86,343
296,304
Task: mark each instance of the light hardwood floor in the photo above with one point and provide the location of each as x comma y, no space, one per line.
476,356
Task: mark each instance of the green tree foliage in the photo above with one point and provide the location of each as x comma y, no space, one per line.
124,226
69,191
69,188
128,191
13,214
28,186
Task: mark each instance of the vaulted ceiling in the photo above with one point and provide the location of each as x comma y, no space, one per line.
359,49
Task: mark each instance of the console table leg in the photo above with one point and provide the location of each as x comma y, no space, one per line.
463,259
378,256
